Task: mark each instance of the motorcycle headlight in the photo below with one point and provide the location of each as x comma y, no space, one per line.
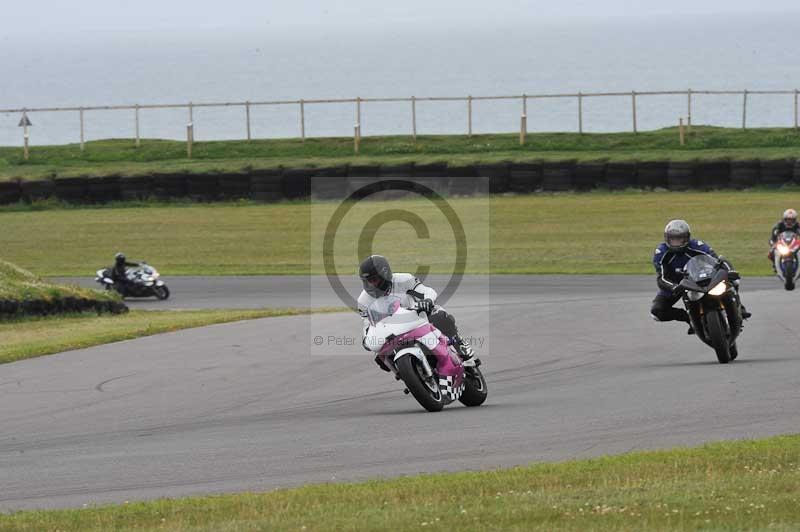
719,289
783,249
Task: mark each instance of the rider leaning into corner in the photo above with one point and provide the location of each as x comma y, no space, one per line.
670,257
118,274
378,280
787,223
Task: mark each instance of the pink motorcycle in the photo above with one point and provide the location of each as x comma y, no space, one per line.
421,356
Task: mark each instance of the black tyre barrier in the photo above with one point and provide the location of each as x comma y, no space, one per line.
589,175
329,183
433,176
712,175
776,173
498,175
745,174
524,177
266,185
796,172
680,175
621,175
359,176
102,189
135,188
58,305
464,181
37,190
234,186
72,189
557,176
652,174
297,183
10,192
388,172
169,186
202,187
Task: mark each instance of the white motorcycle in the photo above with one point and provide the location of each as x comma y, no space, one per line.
143,281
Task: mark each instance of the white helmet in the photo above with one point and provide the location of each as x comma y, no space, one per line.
677,234
790,218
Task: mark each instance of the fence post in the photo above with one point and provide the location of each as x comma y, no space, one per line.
796,123
136,120
356,138
82,138
247,113
414,118
189,139
358,111
633,103
689,110
303,120
525,104
191,113
580,113
523,129
744,110
469,115
680,131
25,138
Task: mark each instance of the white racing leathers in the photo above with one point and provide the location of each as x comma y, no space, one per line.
406,287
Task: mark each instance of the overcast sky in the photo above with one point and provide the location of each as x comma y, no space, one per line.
33,17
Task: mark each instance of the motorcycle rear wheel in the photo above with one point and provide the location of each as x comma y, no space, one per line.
475,390
426,393
716,333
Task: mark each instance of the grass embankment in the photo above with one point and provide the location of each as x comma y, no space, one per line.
751,485
34,337
22,293
121,157
595,233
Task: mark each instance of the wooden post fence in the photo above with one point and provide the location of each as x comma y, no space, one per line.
189,139
358,112
580,113
303,120
469,115
689,110
357,138
744,110
136,120
414,118
680,131
523,129
247,117
633,103
82,138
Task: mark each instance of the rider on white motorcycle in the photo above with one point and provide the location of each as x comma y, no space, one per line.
378,280
787,223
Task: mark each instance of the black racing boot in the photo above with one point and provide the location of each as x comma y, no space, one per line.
463,347
745,313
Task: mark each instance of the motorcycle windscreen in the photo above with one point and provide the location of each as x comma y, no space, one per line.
382,308
701,268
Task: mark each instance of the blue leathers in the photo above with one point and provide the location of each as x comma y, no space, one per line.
669,264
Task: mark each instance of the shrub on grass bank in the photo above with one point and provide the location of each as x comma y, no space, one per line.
24,294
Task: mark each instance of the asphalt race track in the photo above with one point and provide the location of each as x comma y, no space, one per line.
575,366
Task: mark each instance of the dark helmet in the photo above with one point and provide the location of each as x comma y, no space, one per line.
677,234
376,275
119,258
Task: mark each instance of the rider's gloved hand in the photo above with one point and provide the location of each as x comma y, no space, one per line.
426,305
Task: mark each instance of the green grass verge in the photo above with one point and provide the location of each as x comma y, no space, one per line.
120,157
595,233
749,485
20,339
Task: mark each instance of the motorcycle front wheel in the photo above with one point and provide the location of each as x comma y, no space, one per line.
475,390
161,292
424,389
716,333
